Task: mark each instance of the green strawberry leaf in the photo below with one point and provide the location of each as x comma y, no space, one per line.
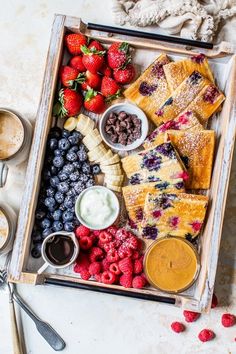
115,96
84,49
91,51
124,47
90,94
59,109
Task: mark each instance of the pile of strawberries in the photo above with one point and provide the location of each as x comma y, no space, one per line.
93,75
111,256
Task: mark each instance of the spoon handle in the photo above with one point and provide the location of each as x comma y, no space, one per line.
17,349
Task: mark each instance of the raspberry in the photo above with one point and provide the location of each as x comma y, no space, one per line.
105,264
108,277
191,316
81,231
82,262
96,254
93,237
214,301
112,230
177,327
135,255
132,242
126,280
76,268
85,242
94,268
138,282
117,243
126,265
112,256
138,266
98,277
228,320
97,232
114,268
124,251
121,234
85,275
105,237
205,335
109,246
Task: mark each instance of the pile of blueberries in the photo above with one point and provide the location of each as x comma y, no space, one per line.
66,173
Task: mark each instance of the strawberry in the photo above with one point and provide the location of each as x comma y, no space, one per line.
70,77
94,101
74,41
92,59
110,89
106,70
69,103
76,62
124,76
91,81
117,55
96,45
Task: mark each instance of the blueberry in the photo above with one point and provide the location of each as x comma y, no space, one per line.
62,207
74,176
68,168
69,226
48,160
52,143
53,170
71,156
36,236
36,250
54,181
69,202
40,214
63,144
72,192
52,208
46,175
57,226
82,155
79,187
76,222
67,216
55,133
59,197
73,139
63,187
89,183
74,149
58,161
57,214
83,177
96,169
63,176
49,201
58,152
77,164
45,223
77,134
86,167
65,133
47,232
50,192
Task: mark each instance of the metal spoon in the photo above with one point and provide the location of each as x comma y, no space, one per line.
46,331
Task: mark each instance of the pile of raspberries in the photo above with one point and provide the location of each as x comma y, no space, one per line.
111,256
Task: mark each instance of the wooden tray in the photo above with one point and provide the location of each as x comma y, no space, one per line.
223,62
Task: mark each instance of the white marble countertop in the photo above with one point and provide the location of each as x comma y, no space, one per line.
91,322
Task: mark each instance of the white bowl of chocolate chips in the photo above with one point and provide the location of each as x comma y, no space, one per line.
123,126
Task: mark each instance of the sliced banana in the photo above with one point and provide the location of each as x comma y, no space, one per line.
107,156
92,140
97,152
114,188
114,178
82,120
70,124
113,183
111,168
88,128
111,161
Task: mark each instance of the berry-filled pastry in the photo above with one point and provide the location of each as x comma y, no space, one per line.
186,121
177,72
173,214
196,150
150,90
161,164
195,93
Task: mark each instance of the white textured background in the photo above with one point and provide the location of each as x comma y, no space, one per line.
91,322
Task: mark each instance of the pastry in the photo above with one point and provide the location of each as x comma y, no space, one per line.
150,90
160,164
196,149
173,214
177,72
186,121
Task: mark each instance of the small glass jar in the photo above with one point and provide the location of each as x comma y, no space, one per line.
158,262
8,220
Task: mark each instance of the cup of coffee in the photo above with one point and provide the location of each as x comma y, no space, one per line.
59,250
15,137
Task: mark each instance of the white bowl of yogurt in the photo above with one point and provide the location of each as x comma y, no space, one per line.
97,207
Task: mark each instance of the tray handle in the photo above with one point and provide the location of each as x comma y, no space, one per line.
148,35
101,289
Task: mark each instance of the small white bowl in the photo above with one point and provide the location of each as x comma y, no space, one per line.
131,109
94,226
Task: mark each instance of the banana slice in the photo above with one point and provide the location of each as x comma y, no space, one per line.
88,128
70,124
111,161
82,120
111,168
107,156
92,140
111,178
113,183
97,152
114,188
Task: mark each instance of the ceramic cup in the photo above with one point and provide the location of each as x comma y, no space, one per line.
51,238
7,228
15,138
